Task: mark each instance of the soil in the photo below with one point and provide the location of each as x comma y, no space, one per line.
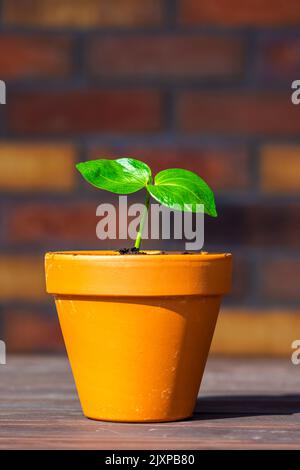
136,251
131,251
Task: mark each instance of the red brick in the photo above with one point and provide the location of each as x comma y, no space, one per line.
47,222
280,279
34,56
82,13
31,331
67,223
261,224
85,111
165,56
68,227
233,113
223,169
279,58
240,13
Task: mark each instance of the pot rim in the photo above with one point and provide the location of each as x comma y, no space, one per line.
174,255
109,274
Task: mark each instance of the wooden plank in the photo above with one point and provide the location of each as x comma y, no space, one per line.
244,404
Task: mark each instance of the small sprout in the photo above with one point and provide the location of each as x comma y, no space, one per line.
175,188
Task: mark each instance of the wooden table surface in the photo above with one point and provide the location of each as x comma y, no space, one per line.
244,404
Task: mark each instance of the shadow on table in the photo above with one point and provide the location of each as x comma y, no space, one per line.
222,407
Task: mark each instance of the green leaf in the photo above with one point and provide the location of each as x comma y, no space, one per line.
182,190
121,176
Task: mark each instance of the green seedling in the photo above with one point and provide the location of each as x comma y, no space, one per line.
175,188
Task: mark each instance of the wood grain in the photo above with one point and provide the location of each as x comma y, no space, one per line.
244,404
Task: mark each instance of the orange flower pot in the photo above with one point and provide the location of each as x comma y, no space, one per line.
137,328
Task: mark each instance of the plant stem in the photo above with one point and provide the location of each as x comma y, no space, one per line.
142,223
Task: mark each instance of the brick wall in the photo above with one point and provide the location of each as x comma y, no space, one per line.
204,85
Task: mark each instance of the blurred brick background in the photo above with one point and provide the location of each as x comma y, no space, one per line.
205,85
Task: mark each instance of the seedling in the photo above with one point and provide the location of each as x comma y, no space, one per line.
175,188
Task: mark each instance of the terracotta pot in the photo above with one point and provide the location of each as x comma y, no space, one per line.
137,328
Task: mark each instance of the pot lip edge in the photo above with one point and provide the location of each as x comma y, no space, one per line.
151,255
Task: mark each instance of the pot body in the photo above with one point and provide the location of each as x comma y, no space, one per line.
137,329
